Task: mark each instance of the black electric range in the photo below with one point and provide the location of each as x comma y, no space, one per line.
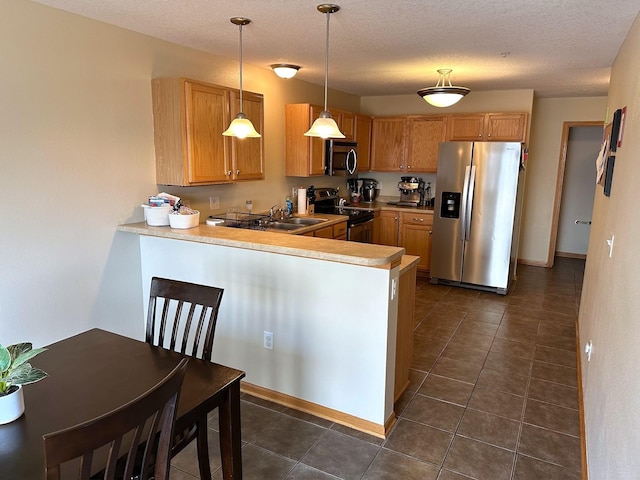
328,201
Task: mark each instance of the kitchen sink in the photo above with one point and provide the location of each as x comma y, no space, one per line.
303,221
284,226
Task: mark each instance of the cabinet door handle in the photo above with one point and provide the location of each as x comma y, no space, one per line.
237,172
430,232
479,135
415,219
488,135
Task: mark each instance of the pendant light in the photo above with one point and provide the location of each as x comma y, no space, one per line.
443,94
241,126
285,70
325,126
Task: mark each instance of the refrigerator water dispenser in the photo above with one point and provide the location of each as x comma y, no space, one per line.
450,205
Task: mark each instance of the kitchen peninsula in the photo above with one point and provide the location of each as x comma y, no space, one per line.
331,305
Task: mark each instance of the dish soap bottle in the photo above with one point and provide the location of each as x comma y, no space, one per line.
289,205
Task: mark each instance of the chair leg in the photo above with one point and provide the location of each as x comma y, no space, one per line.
203,449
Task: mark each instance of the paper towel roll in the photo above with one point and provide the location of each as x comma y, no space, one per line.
302,201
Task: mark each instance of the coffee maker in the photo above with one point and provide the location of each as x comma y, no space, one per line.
412,191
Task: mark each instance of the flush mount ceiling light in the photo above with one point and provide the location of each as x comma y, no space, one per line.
241,126
443,94
285,70
325,126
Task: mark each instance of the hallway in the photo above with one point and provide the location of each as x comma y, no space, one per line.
493,396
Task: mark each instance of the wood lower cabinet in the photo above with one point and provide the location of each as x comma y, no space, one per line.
385,229
415,237
336,232
340,231
488,127
409,229
404,331
189,117
387,144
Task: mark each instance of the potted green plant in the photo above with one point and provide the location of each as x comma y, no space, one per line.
15,371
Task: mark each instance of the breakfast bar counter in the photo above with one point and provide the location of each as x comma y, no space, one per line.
276,242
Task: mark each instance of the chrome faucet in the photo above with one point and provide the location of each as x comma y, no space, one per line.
272,212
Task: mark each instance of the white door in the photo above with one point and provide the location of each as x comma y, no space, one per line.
578,190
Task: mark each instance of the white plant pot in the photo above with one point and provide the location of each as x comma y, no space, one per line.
11,406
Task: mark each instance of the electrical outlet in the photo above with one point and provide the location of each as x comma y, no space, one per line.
214,203
268,340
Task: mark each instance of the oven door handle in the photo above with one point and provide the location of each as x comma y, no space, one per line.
358,224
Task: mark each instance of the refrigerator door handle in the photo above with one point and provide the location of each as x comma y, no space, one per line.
463,204
469,202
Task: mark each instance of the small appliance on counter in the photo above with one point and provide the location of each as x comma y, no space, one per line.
412,192
369,189
363,189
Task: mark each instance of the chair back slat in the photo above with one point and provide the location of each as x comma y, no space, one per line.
153,413
189,315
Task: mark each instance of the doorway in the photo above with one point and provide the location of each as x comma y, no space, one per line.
575,189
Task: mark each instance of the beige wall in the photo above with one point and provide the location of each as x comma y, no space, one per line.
549,114
609,311
77,159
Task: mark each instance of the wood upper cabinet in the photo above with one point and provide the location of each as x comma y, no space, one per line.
347,125
387,144
247,153
415,236
362,135
423,137
506,127
304,156
189,118
488,127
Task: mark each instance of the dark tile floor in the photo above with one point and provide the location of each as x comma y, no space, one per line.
493,396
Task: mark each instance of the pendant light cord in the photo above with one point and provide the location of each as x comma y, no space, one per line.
240,68
326,64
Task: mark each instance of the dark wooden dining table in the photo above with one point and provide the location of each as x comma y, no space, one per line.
97,371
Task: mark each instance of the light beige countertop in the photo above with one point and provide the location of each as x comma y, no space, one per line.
354,253
382,204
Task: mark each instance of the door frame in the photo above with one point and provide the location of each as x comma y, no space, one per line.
566,127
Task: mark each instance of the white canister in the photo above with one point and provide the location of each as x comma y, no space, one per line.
157,216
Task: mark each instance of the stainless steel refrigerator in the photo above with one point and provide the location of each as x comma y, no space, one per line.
476,221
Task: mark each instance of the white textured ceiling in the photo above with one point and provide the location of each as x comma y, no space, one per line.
556,47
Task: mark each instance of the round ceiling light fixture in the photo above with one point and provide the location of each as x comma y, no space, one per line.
443,94
285,70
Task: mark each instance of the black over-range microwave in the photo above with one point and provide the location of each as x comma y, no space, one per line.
341,158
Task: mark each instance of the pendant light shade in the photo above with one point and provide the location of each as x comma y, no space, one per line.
325,126
285,70
241,126
443,94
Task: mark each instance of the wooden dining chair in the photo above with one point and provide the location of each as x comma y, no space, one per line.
182,316
135,438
